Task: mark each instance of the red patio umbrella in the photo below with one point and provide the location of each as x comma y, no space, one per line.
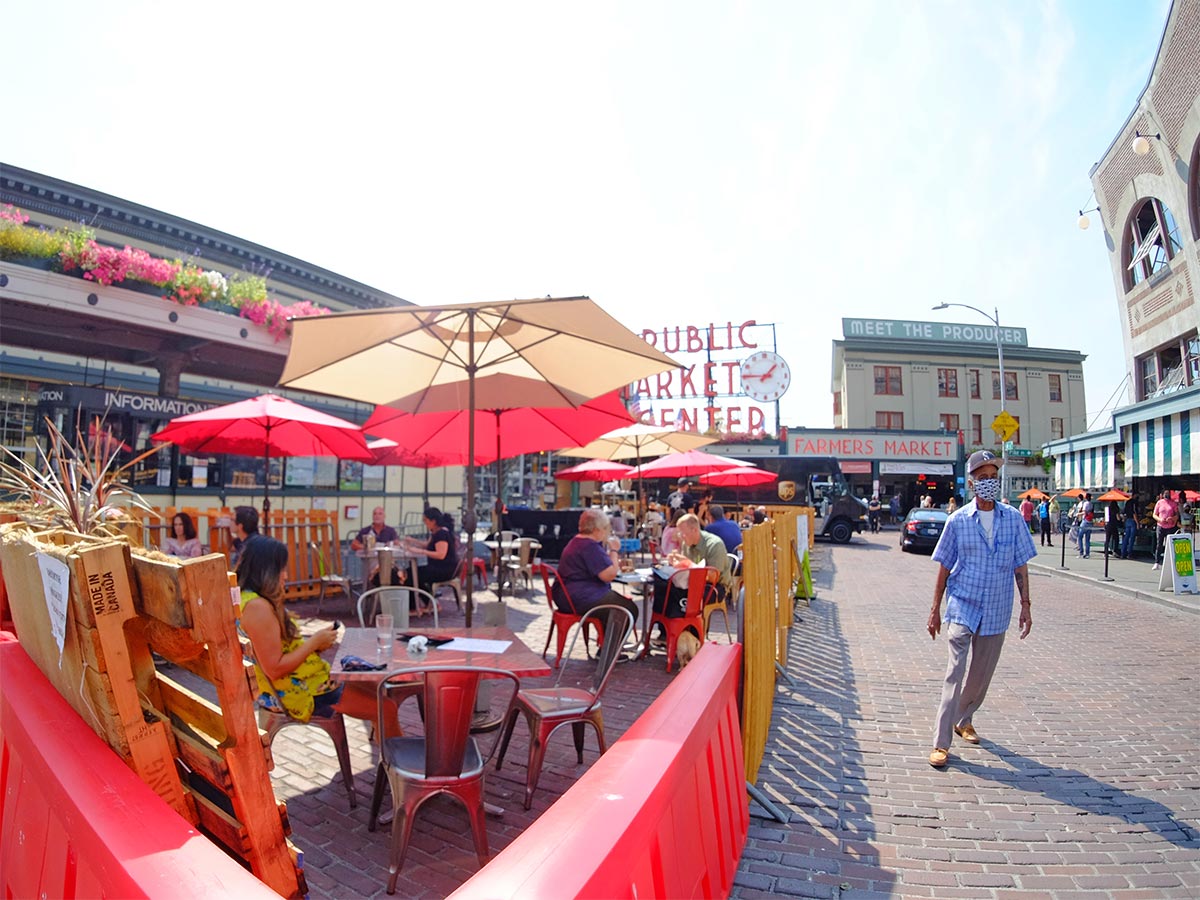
742,476
595,470
266,426
389,453
687,464
1191,495
499,433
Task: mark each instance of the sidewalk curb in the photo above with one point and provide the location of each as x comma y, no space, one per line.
1162,599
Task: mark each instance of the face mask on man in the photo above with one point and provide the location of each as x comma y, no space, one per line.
987,488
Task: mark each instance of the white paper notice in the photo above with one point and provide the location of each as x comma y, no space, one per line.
476,645
56,581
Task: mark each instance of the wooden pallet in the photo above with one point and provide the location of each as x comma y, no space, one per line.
208,761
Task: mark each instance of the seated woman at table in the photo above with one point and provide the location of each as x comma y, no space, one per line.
183,541
670,535
588,566
292,677
441,549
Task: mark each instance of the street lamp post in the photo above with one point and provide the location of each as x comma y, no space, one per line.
995,320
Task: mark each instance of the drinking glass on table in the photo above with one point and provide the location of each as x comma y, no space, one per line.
383,635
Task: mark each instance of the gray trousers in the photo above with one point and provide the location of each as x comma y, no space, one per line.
959,700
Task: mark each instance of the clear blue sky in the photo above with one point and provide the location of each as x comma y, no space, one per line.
683,162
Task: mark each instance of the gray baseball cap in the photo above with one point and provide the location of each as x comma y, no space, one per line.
982,458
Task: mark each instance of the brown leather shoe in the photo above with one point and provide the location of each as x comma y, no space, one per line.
938,757
967,733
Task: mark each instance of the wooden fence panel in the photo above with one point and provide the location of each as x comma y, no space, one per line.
759,627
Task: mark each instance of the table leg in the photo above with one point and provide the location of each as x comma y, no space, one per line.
647,602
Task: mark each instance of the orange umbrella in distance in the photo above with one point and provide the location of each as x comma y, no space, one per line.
1074,493
1114,494
1033,494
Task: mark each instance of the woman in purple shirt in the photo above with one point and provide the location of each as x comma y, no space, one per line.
587,567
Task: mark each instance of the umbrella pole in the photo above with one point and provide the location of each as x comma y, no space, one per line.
469,515
267,481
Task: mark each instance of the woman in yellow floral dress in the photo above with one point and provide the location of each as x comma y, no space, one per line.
292,677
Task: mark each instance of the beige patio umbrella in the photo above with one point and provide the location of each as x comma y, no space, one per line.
506,355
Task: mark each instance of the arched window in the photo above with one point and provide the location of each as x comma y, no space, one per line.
1194,189
1152,241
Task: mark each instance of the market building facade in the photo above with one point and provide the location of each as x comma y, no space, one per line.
77,350
1147,189
932,391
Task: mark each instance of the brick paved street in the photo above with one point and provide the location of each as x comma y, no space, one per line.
1086,783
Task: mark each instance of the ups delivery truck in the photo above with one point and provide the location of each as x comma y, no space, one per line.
806,481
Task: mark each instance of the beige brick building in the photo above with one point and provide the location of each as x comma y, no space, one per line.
906,376
1147,188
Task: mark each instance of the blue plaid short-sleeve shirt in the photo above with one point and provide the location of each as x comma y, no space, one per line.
980,586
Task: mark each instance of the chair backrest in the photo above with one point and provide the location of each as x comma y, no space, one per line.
393,599
525,552
700,582
449,706
507,537
549,572
318,559
617,623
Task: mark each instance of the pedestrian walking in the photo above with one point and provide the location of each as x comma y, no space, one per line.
1131,527
894,508
1112,529
1166,517
1043,514
983,550
1086,518
1026,508
874,508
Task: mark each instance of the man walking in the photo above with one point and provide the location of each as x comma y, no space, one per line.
984,547
1043,512
1027,513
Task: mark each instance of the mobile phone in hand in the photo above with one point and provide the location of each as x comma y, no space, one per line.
336,624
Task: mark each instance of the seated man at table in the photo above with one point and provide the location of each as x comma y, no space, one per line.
726,529
384,533
588,566
698,548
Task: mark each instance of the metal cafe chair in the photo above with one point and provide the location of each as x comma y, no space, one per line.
700,582
327,578
446,759
394,599
562,621
548,709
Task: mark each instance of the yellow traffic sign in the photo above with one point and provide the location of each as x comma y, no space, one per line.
1005,426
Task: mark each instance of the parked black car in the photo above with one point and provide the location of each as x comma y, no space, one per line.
922,528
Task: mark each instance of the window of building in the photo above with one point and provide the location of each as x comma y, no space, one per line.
1192,359
893,421
947,383
1147,369
887,380
1152,241
973,382
976,430
948,422
1010,385
1056,429
1055,382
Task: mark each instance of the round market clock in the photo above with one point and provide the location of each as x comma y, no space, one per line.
765,376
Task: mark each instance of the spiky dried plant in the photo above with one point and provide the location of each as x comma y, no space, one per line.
76,486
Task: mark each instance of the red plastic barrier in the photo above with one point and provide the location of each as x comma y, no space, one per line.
75,821
662,814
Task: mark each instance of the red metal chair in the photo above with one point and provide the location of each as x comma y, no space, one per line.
701,588
446,759
558,619
548,709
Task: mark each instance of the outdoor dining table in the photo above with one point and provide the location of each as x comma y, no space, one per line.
372,560
516,657
642,580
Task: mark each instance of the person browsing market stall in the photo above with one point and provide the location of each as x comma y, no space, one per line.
984,549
